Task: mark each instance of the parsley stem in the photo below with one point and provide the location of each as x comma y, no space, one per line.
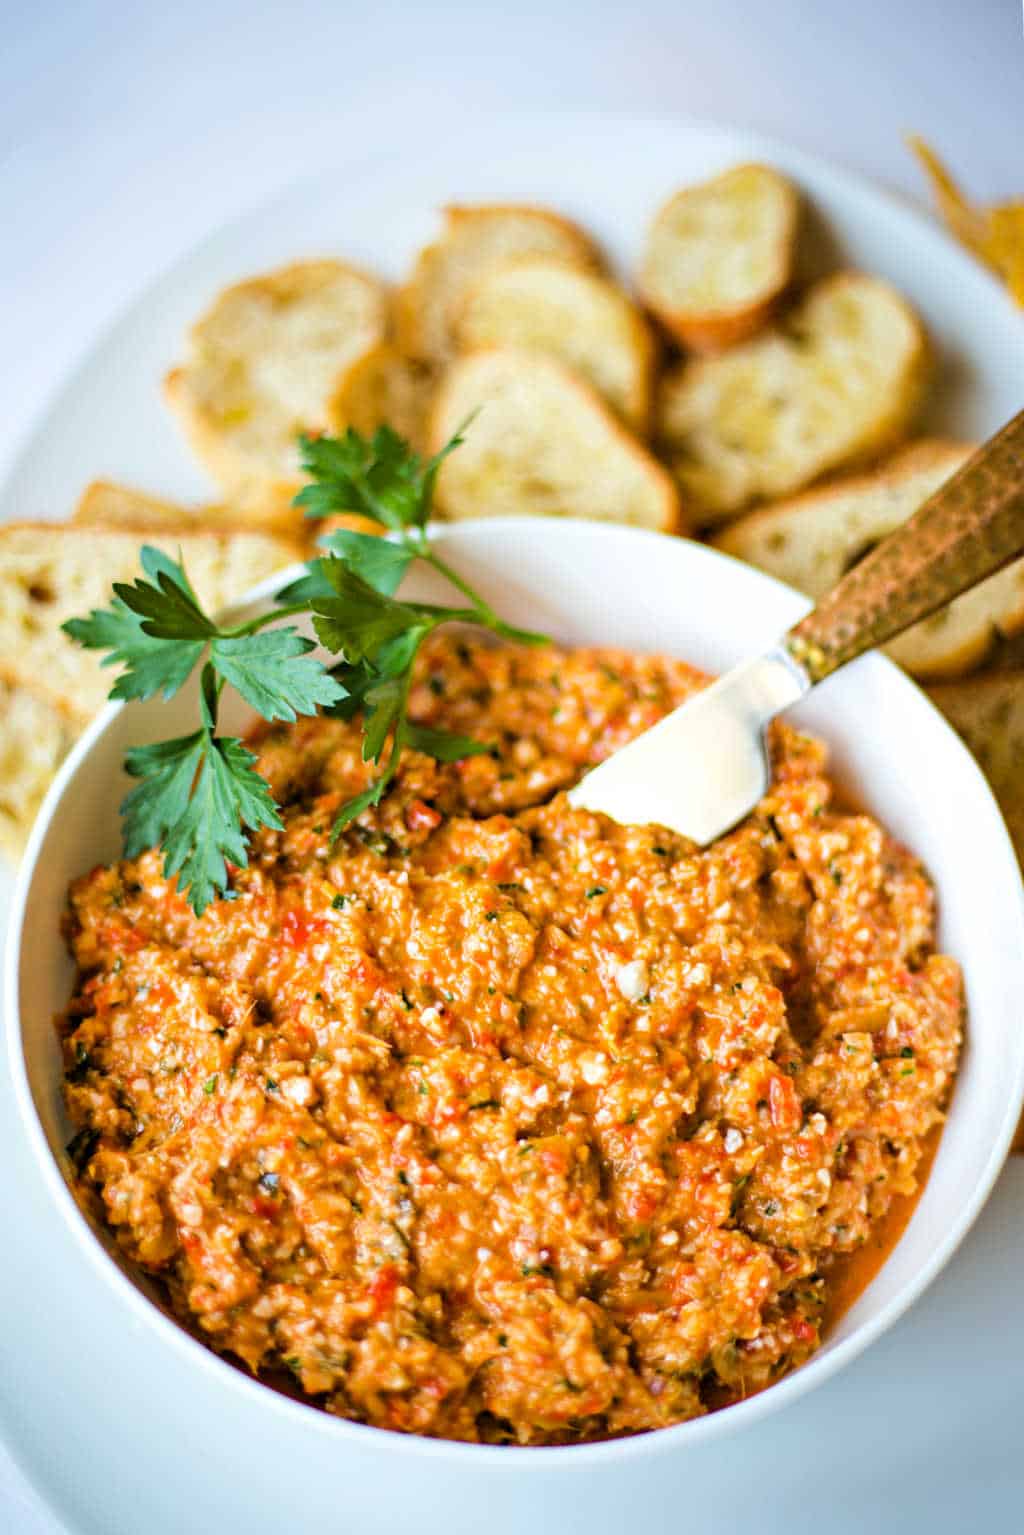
480,607
482,612
263,619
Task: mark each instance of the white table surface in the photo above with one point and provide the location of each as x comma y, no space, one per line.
127,131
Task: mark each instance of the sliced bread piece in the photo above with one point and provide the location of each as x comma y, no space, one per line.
812,540
107,504
383,387
988,712
262,365
542,443
719,256
835,384
473,240
34,740
577,316
1007,654
50,572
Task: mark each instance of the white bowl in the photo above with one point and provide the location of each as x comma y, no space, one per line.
586,583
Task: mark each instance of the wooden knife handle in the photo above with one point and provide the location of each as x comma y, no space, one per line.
970,528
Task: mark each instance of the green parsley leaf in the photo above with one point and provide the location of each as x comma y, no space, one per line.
194,797
313,583
384,704
151,665
381,478
360,802
357,620
167,770
166,603
378,561
442,745
355,682
275,673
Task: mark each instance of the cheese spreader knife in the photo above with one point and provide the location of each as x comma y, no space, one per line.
704,767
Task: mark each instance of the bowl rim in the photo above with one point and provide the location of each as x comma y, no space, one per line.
678,1437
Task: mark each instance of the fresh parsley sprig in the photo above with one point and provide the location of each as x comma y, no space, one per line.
199,796
350,591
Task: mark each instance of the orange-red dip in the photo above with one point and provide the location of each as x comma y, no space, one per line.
500,1121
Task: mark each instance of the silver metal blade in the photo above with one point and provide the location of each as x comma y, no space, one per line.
704,767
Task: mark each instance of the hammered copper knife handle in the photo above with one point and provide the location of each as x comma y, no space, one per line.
971,527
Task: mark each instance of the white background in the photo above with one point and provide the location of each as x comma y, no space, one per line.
127,131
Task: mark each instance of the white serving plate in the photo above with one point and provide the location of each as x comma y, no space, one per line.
109,420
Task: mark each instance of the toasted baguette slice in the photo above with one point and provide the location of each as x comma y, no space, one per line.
575,315
50,572
544,444
837,383
34,740
383,387
812,540
719,256
263,361
107,504
988,712
474,240
1008,653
